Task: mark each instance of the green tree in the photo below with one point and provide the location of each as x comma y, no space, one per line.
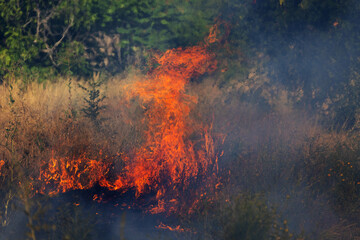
93,99
311,47
77,37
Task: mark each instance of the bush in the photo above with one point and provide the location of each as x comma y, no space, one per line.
248,217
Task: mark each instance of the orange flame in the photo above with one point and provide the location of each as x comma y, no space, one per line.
64,174
168,159
174,229
2,163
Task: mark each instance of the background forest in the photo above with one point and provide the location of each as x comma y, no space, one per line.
286,94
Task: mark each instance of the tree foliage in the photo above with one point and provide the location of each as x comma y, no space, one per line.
69,36
309,46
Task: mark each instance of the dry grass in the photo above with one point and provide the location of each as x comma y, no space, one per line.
41,120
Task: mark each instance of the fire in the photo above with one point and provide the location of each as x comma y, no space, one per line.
64,174
169,161
98,198
2,163
174,229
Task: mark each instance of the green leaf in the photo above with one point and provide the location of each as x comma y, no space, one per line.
160,15
123,30
139,40
143,20
125,42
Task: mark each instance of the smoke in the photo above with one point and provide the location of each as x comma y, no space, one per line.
266,144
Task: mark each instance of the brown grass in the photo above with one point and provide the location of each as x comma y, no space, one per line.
42,119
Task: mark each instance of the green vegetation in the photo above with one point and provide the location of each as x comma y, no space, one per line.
310,47
45,38
94,99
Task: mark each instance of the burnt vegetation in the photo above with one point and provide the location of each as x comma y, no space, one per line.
249,132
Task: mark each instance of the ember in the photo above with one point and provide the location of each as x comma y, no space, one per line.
174,229
2,163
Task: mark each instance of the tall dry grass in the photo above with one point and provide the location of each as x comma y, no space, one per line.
44,121
41,121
